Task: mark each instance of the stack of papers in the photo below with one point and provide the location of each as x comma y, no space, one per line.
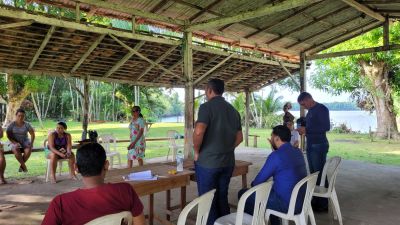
143,175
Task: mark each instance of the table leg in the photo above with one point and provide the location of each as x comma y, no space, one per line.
151,209
168,206
244,181
183,197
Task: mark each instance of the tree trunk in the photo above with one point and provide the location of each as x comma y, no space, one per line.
15,99
39,116
377,73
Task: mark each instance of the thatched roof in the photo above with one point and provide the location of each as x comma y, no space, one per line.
273,32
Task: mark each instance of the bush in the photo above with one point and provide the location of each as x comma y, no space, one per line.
342,129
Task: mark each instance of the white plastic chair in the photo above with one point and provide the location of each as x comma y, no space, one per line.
240,217
106,141
124,217
306,212
203,204
171,134
330,171
59,161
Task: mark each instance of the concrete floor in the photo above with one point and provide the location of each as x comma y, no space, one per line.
369,194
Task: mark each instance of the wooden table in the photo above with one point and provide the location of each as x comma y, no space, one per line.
164,183
241,169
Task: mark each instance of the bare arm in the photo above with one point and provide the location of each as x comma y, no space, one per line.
32,133
198,135
69,143
10,137
139,220
50,143
239,138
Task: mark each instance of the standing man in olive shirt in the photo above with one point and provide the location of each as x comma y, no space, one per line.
217,133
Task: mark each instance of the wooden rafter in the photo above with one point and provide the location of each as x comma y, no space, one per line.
204,10
269,82
159,6
343,37
124,59
219,70
87,53
337,26
295,13
132,11
207,74
173,66
242,73
262,11
290,75
144,57
16,24
305,25
17,14
160,59
206,63
42,46
362,8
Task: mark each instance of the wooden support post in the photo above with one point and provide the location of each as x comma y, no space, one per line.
247,118
189,92
386,32
85,120
303,87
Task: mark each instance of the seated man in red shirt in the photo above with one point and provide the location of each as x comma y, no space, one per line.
96,198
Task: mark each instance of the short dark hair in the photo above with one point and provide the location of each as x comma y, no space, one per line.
303,96
90,159
20,111
282,132
217,86
63,124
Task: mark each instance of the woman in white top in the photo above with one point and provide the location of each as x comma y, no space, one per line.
295,134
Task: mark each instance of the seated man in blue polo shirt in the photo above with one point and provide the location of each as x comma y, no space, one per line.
286,166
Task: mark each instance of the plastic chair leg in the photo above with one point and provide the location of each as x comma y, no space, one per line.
285,222
60,163
48,171
119,160
311,216
111,161
335,202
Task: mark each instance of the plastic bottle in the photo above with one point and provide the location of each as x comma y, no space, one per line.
179,161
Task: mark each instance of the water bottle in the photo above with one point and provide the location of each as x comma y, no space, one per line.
179,161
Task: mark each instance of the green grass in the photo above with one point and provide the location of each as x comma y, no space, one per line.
348,146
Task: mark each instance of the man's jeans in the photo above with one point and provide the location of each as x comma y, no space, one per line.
316,157
215,178
274,203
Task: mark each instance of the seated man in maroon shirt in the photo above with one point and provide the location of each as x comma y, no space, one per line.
96,198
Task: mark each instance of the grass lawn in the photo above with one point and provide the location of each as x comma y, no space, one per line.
348,146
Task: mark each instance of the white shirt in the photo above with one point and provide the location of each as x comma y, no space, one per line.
295,137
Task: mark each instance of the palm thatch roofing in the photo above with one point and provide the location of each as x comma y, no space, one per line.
249,44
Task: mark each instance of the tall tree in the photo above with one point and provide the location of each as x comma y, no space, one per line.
372,79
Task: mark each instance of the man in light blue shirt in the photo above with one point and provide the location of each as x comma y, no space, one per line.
287,167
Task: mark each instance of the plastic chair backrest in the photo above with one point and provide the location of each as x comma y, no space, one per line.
124,217
45,143
330,171
262,192
311,181
106,140
203,204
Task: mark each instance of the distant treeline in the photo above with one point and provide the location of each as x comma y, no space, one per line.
333,106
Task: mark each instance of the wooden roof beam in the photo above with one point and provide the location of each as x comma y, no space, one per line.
270,82
160,59
262,11
18,14
132,11
42,46
206,74
290,75
16,24
124,59
88,52
242,73
295,13
159,6
204,10
305,25
324,31
216,71
145,58
362,8
173,66
203,65
342,37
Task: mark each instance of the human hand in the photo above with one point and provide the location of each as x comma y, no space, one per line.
301,130
196,156
68,155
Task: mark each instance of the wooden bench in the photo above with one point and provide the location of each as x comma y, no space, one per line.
254,139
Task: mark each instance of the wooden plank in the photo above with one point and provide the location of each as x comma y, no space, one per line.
205,9
206,63
145,58
354,52
16,24
160,59
189,93
179,62
124,59
88,52
267,9
243,57
362,8
206,74
290,75
42,46
132,11
243,72
17,14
